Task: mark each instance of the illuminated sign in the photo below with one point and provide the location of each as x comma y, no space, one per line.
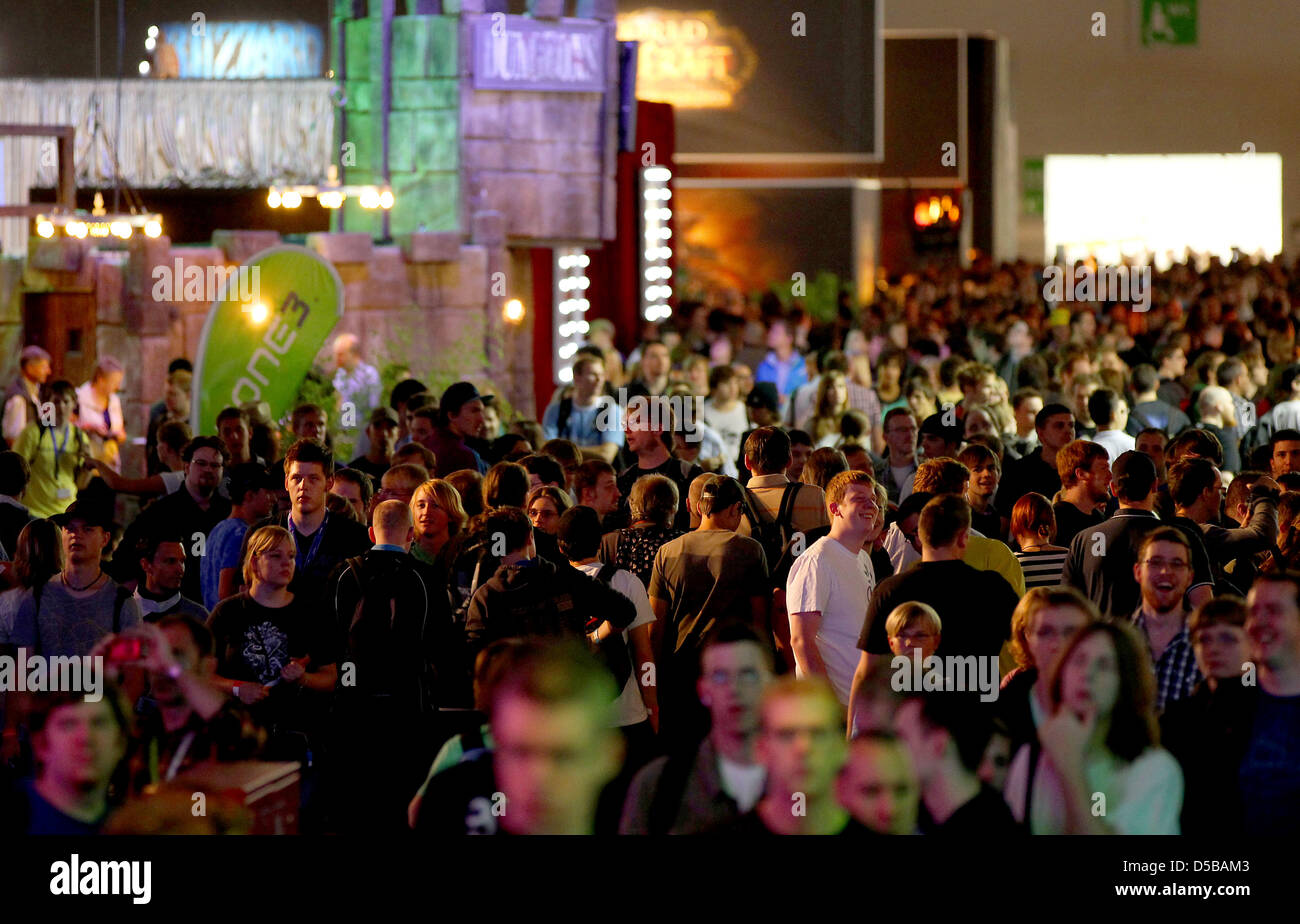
519,53
242,50
688,59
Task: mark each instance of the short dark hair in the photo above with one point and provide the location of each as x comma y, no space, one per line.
505,485
545,467
959,714
800,438
943,519
1049,411
14,473
174,434
586,475
200,633
146,547
180,364
230,413
1227,610
566,452
1165,534
1156,431
1103,405
205,442
767,450
896,412
578,533
1188,479
1282,577
360,479
310,451
1201,442
246,478
512,523
1282,436
403,390
1145,378
1228,371
1024,394
1239,490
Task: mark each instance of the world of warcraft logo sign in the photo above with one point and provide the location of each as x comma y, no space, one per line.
688,59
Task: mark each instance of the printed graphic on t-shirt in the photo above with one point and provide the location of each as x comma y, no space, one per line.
265,650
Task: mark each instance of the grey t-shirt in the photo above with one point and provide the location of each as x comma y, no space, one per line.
71,624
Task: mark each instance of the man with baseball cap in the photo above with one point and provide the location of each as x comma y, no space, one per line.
1102,557
75,608
22,397
460,416
764,405
381,437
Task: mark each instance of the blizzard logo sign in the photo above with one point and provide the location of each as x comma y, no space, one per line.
275,343
76,876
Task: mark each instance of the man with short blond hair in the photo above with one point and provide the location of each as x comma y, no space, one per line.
829,587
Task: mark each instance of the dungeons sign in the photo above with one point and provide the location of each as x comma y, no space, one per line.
518,53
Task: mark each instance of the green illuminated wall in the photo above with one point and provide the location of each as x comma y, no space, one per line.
424,153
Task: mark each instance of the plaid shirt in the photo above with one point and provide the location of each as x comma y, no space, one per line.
1176,670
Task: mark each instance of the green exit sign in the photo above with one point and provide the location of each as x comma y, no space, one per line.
1168,22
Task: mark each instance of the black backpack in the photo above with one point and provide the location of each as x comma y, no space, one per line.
386,643
772,534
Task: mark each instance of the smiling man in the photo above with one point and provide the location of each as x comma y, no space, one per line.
830,585
1164,573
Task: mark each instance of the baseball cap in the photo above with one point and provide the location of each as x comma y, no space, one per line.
935,426
31,354
460,394
764,395
1133,474
384,415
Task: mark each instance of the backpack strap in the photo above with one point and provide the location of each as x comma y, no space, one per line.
37,591
750,509
1035,754
785,513
562,418
119,600
668,795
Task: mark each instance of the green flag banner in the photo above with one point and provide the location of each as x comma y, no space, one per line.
260,348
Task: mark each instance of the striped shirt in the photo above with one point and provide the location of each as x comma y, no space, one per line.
1043,567
1176,670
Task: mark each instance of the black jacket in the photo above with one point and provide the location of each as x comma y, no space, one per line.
394,623
176,513
538,598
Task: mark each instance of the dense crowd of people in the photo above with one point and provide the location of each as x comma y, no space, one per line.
961,561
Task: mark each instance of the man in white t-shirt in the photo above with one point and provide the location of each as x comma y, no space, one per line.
830,585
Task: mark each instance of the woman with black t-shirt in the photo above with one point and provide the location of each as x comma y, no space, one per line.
268,645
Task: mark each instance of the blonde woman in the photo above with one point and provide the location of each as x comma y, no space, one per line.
267,642
1045,619
439,517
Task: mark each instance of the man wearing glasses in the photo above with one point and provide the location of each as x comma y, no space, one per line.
721,779
1163,573
896,469
191,512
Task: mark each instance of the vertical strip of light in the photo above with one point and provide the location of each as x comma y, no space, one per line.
571,306
656,274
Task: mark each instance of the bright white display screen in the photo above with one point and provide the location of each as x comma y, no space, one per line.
1121,206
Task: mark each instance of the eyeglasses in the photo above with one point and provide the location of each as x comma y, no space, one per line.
1158,564
745,677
